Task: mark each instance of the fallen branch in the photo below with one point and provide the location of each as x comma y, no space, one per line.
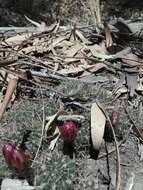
9,92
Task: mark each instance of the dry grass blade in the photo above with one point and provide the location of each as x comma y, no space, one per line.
9,92
42,133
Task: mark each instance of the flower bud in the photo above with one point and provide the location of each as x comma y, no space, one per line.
15,158
68,131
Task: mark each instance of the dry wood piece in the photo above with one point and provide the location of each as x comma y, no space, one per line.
9,92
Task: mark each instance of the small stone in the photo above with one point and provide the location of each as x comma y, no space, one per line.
15,184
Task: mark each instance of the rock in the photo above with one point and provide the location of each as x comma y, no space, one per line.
15,184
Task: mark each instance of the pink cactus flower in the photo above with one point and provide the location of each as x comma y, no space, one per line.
15,158
68,131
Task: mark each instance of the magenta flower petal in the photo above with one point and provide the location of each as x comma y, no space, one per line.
8,150
68,131
14,158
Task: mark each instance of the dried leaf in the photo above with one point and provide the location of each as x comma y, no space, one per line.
98,121
55,42
132,62
140,147
65,44
16,40
72,70
140,85
131,83
120,91
70,60
98,53
136,28
123,53
72,51
53,142
52,119
33,49
81,37
109,41
81,68
56,27
28,50
120,83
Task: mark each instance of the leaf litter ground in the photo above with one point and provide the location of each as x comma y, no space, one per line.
74,68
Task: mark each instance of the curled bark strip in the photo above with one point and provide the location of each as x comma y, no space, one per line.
98,121
9,92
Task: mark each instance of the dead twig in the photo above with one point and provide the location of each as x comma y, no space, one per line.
108,165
